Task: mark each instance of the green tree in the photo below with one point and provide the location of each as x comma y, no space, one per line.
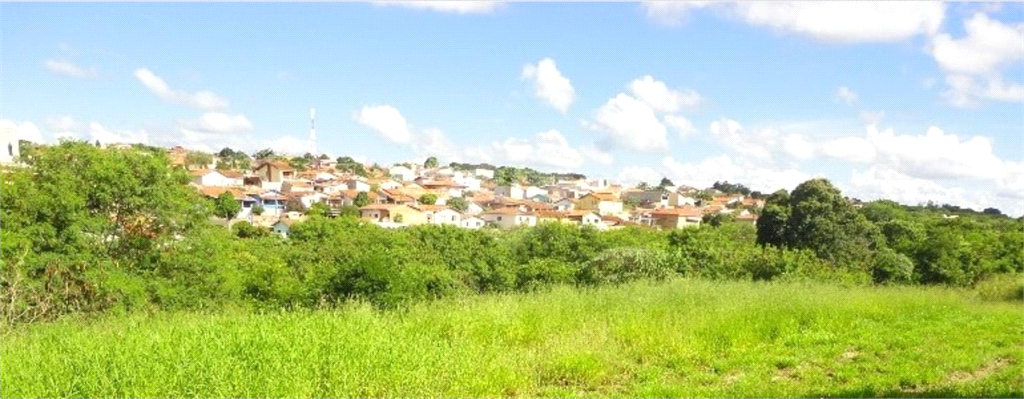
221,165
226,152
319,209
399,218
458,203
196,158
245,229
265,153
362,199
665,182
225,206
430,163
348,211
428,199
257,210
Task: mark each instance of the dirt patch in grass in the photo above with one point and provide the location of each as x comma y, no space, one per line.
985,370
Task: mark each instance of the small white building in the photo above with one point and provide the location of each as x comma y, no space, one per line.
531,191
215,178
514,191
357,184
402,172
507,218
472,222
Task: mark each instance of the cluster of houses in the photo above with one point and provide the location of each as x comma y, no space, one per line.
283,193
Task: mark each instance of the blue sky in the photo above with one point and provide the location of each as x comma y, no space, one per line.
911,101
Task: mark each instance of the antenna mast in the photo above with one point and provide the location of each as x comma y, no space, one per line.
312,131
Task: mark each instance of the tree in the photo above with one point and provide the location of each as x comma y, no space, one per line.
821,220
221,165
245,229
992,211
319,209
348,211
323,157
196,158
97,143
294,204
399,218
226,153
458,203
265,153
299,163
362,199
225,206
257,210
430,163
428,199
665,182
643,186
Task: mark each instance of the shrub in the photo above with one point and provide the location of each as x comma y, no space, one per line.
620,265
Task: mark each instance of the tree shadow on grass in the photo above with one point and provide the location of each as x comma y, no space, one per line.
916,393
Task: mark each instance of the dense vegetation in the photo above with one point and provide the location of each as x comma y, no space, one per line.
90,230
685,338
506,175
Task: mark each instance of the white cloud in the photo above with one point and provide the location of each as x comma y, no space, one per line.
549,84
204,100
545,150
681,125
634,175
289,145
880,182
60,123
796,146
838,21
934,155
722,168
98,132
27,131
458,7
594,154
218,122
988,46
732,135
386,121
851,149
928,83
846,95
68,69
662,99
630,124
871,118
672,12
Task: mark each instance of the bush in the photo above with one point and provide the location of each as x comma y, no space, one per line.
620,265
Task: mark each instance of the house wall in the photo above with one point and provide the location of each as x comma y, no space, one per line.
609,207
472,223
513,192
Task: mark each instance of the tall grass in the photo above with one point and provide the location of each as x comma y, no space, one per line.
680,338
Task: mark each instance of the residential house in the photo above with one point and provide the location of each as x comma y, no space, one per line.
245,201
388,185
342,198
273,202
283,226
564,205
473,209
674,218
532,191
297,186
308,199
587,218
652,198
357,184
603,203
514,191
177,154
746,217
216,178
397,197
445,187
402,173
548,216
507,218
472,222
469,182
393,213
440,215
540,198
274,171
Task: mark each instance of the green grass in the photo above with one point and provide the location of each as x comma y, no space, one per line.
680,338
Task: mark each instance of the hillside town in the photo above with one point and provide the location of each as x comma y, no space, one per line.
274,194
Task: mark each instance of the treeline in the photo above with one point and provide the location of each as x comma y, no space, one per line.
91,230
508,175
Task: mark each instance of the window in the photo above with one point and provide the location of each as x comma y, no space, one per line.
499,218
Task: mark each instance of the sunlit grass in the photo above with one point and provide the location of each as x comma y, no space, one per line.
681,338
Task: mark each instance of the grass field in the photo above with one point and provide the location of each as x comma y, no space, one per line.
680,338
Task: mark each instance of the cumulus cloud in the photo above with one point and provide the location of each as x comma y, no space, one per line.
846,95
594,154
681,125
634,175
386,121
69,69
672,12
757,144
851,149
290,145
723,168
218,122
27,131
974,62
878,182
457,7
797,147
547,150
98,132
630,124
843,22
659,97
549,84
204,100
871,118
